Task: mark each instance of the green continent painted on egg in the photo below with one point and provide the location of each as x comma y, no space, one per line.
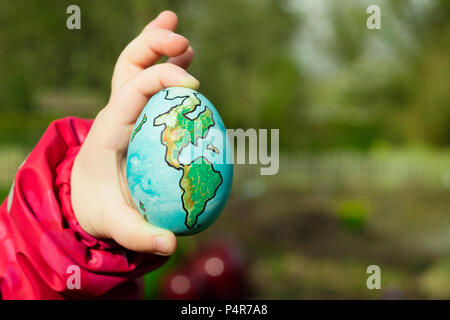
141,205
139,127
199,183
179,130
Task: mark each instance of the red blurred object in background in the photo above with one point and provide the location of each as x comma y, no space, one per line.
221,266
215,272
181,284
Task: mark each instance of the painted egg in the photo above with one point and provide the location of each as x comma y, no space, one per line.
179,162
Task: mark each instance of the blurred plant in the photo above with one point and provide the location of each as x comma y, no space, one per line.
353,215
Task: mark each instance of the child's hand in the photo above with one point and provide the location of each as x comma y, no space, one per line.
100,196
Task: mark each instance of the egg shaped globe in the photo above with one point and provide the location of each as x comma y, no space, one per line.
179,162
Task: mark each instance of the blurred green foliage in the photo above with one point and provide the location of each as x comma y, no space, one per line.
242,53
388,85
353,215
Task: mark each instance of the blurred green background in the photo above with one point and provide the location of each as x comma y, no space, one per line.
364,123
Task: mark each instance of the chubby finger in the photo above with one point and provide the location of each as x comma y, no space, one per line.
149,46
127,103
165,20
183,60
130,230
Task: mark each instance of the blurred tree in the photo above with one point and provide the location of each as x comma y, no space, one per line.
427,77
389,84
242,53
384,85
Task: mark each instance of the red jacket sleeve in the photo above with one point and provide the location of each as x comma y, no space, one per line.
44,253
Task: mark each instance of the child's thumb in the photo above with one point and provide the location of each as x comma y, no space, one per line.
130,230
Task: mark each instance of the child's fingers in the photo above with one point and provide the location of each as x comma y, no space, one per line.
165,20
127,103
143,52
149,46
130,230
183,60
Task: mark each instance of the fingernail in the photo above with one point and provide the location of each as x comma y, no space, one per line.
190,82
161,245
